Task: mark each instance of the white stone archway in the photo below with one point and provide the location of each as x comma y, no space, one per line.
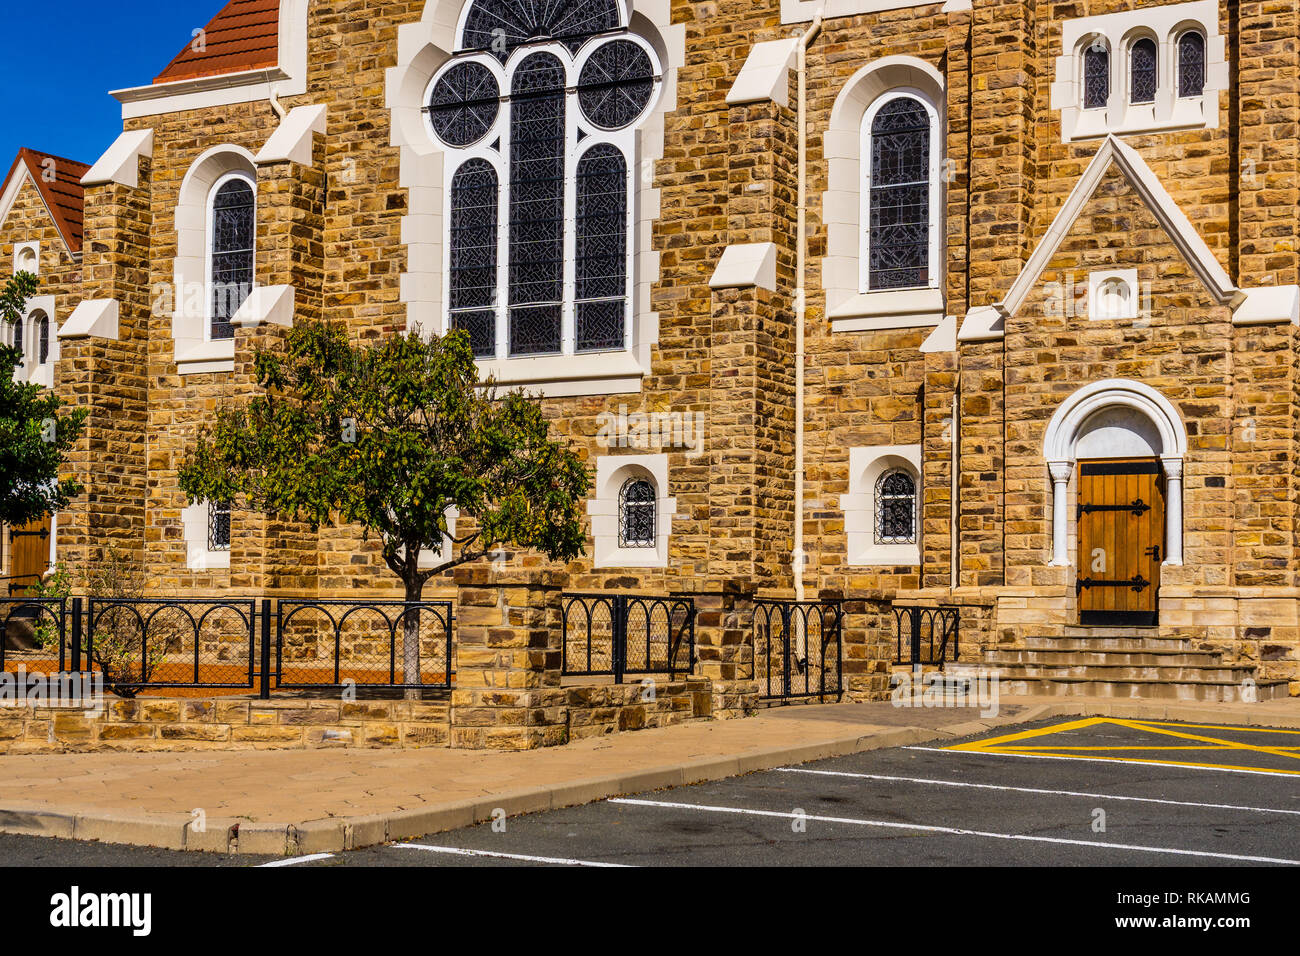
1116,418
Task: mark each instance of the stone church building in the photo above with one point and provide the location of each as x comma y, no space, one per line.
981,303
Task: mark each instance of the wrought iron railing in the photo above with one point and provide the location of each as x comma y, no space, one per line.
926,635
377,644
798,649
618,635
33,634
173,642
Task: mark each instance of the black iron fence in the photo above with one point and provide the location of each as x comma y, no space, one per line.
33,634
227,644
798,649
389,644
926,635
617,635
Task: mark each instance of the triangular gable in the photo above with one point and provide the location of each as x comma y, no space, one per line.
1273,304
244,35
63,195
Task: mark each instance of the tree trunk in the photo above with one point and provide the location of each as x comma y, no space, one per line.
411,637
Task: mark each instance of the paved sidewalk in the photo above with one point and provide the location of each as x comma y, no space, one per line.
297,802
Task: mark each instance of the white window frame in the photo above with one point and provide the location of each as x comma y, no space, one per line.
24,248
866,465
612,472
626,141
194,523
1165,25
210,243
935,167
33,370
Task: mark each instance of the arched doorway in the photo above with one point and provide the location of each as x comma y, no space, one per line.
1120,445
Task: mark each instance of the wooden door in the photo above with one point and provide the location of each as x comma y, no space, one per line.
1121,527
30,547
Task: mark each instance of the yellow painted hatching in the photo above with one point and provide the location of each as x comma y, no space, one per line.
1015,744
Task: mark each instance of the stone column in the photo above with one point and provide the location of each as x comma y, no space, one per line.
724,614
506,646
1173,511
1061,471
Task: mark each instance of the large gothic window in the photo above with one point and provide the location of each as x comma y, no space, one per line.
902,179
1191,64
537,112
230,261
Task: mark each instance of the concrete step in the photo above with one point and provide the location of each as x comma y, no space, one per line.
1095,630
1131,644
1144,658
1146,689
1110,673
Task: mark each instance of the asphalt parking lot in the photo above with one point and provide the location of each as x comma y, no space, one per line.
1067,792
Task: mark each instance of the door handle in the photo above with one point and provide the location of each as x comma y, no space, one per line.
1153,552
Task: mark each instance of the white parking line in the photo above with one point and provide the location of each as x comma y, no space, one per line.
1135,763
922,828
1051,793
457,851
298,859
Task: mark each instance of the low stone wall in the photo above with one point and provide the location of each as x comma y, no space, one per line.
311,724
595,711
224,724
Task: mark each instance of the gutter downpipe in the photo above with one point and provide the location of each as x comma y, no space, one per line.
798,561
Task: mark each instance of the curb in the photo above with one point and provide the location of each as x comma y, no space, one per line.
334,835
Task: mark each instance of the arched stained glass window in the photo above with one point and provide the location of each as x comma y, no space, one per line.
636,514
41,332
1096,76
537,148
601,292
1191,64
502,26
898,242
473,275
542,99
464,104
233,228
896,508
1142,71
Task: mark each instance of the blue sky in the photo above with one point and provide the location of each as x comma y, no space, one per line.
60,60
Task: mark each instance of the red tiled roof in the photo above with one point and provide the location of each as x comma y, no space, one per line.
63,196
245,35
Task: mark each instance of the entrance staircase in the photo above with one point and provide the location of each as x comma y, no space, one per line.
1130,663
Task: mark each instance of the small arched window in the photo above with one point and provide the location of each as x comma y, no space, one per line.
896,508
899,205
219,526
1142,71
1191,64
41,334
1096,75
233,221
636,514
16,338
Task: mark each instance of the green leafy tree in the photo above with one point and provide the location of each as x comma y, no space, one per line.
394,436
34,437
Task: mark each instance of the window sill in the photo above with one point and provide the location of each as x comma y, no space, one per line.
561,376
209,561
896,309
885,555
200,357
